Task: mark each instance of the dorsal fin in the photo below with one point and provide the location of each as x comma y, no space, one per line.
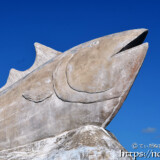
43,54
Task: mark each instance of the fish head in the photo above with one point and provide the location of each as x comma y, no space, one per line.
109,62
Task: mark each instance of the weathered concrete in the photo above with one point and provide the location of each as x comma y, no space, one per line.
85,143
85,85
43,54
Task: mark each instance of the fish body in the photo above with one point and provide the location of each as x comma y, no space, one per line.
85,85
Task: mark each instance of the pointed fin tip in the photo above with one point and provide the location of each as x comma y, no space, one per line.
12,78
47,50
13,75
43,54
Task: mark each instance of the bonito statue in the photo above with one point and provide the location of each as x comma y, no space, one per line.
83,87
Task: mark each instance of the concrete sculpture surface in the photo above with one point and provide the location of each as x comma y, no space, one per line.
84,143
85,85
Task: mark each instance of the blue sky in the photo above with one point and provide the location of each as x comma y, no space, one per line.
64,24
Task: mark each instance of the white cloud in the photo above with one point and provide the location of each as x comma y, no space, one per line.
149,130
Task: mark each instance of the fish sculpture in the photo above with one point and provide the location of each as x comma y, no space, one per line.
85,85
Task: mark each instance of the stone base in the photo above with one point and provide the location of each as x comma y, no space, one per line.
85,143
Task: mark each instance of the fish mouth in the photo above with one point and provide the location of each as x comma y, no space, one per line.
135,42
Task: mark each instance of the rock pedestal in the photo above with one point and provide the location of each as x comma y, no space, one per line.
85,143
